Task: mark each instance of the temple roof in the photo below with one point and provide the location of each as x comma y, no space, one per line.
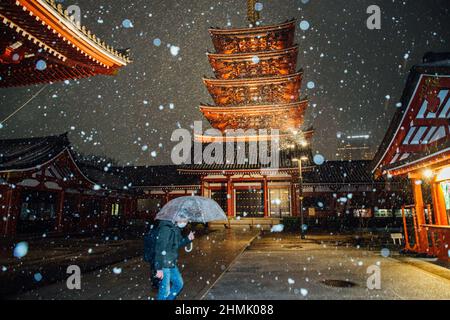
245,159
416,131
331,172
41,43
27,154
155,176
340,172
30,154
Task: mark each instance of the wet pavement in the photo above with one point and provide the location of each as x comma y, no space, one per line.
130,280
49,259
240,265
283,267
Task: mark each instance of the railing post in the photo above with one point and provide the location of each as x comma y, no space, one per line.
405,228
430,222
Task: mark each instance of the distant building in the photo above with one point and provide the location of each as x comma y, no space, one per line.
354,147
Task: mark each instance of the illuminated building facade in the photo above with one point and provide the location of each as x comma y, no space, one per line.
417,146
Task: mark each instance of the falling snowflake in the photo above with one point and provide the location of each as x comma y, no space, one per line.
41,65
127,24
21,250
304,25
174,50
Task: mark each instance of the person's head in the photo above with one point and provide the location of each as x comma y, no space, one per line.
181,222
182,219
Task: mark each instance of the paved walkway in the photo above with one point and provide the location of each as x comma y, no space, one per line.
211,256
285,267
275,266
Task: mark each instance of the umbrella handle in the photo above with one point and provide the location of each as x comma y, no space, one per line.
190,249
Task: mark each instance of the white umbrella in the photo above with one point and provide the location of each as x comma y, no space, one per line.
193,209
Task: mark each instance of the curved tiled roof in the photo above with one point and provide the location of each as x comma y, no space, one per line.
27,154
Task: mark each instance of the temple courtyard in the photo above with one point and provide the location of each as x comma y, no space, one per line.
231,264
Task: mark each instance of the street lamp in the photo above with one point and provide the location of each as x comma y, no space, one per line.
300,170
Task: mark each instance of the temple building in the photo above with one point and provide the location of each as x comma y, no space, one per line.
257,103
267,172
45,189
41,43
417,146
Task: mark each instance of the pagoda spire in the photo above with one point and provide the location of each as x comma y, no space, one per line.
252,14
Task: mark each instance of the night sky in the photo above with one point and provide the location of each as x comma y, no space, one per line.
359,74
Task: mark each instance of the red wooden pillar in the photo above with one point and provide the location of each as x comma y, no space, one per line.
420,213
230,209
60,213
166,196
294,198
440,211
266,197
202,186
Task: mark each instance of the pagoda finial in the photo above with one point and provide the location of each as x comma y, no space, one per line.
252,13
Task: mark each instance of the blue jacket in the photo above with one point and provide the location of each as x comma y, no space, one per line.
168,243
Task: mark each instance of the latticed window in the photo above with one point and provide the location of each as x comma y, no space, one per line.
115,210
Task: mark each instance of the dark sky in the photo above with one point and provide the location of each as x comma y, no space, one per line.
354,69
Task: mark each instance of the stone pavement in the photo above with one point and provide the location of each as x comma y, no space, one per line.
223,265
283,267
50,257
212,254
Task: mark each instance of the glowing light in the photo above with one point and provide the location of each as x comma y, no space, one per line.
428,173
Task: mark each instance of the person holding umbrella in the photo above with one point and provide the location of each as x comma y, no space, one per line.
168,243
173,217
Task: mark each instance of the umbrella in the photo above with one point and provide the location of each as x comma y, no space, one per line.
193,209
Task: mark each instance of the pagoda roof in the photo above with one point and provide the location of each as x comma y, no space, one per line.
254,81
283,117
243,65
250,55
289,25
255,91
43,30
255,136
256,39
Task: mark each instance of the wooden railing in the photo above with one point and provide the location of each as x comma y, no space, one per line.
440,245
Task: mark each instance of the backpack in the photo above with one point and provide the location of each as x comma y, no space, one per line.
150,244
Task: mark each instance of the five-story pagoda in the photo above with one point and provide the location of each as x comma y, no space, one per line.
256,87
